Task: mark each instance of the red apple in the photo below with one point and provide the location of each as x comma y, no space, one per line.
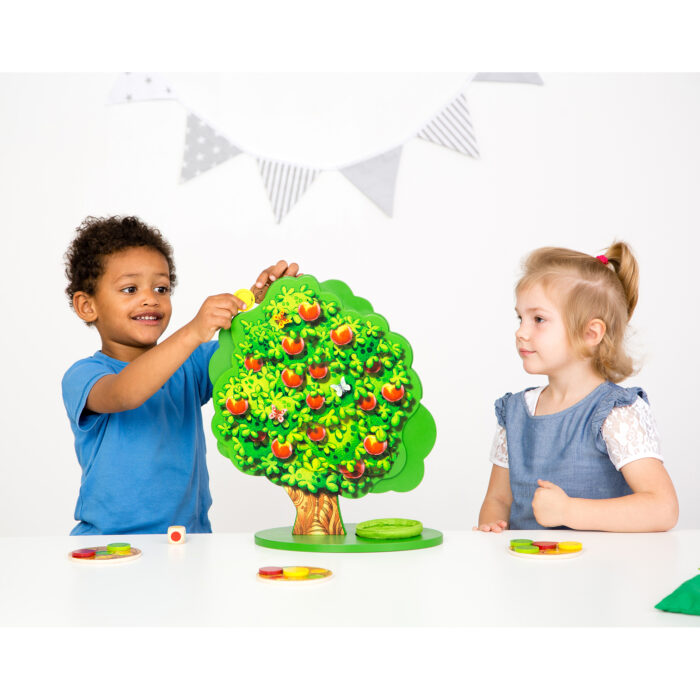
315,402
341,335
293,346
373,446
316,433
282,450
352,470
376,367
236,408
291,380
309,312
318,371
262,437
253,363
368,403
392,394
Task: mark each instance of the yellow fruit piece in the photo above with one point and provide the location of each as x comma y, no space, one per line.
246,296
295,572
570,546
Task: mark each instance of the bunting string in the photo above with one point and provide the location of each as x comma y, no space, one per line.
205,147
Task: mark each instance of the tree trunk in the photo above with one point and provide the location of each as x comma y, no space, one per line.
316,514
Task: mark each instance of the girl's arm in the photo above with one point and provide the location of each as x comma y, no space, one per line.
495,511
653,507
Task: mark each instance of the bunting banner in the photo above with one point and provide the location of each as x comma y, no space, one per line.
375,176
532,78
137,87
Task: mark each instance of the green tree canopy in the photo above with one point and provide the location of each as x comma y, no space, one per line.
313,391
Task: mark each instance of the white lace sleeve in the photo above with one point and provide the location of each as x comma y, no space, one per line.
499,448
630,433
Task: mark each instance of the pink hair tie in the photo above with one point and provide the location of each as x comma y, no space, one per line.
602,259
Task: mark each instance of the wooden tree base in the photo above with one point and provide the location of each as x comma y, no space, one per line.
316,515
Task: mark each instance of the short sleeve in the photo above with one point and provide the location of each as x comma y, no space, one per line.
630,433
500,406
618,397
499,448
201,358
76,385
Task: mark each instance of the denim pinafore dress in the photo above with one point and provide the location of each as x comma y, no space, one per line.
566,448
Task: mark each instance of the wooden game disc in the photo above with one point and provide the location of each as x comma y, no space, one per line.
547,553
105,558
295,574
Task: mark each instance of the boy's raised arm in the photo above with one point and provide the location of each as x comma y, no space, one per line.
142,377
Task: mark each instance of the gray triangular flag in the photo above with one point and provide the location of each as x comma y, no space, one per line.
533,78
204,148
376,178
453,129
136,87
285,183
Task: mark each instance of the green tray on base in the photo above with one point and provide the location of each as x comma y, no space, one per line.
282,538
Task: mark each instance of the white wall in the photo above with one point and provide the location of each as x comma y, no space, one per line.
577,162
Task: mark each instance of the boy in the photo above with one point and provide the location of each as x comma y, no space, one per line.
135,405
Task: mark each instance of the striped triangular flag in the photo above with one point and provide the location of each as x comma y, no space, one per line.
376,178
453,129
204,148
136,87
285,183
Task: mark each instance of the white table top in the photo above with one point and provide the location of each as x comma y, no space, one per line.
470,580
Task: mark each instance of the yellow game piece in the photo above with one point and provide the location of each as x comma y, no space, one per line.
119,548
570,546
295,571
246,296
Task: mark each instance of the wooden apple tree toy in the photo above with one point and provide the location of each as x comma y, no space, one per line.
314,392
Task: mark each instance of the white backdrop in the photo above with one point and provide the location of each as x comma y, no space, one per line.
577,162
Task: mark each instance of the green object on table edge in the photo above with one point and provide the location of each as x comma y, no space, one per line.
685,599
389,529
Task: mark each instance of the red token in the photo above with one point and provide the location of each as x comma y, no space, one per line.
545,545
83,553
270,570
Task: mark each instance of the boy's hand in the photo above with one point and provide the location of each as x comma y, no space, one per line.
270,274
497,526
550,504
216,312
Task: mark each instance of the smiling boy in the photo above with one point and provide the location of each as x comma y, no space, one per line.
135,405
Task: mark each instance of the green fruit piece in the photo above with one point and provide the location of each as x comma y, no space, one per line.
389,529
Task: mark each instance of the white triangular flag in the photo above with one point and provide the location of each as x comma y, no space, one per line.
533,78
204,148
285,183
453,129
376,178
136,87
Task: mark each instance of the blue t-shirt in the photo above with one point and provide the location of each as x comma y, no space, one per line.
143,469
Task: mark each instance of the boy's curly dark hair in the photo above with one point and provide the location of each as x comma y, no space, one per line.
98,237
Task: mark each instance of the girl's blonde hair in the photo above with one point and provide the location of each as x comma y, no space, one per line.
589,288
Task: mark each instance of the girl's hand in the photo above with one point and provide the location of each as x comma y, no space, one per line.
216,312
498,526
550,504
270,274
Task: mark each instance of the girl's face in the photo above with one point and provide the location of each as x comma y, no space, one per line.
541,338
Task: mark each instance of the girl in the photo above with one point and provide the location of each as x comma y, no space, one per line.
581,452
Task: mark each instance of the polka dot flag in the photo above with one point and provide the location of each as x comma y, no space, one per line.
205,148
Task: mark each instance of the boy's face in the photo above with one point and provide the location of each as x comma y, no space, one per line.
131,304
